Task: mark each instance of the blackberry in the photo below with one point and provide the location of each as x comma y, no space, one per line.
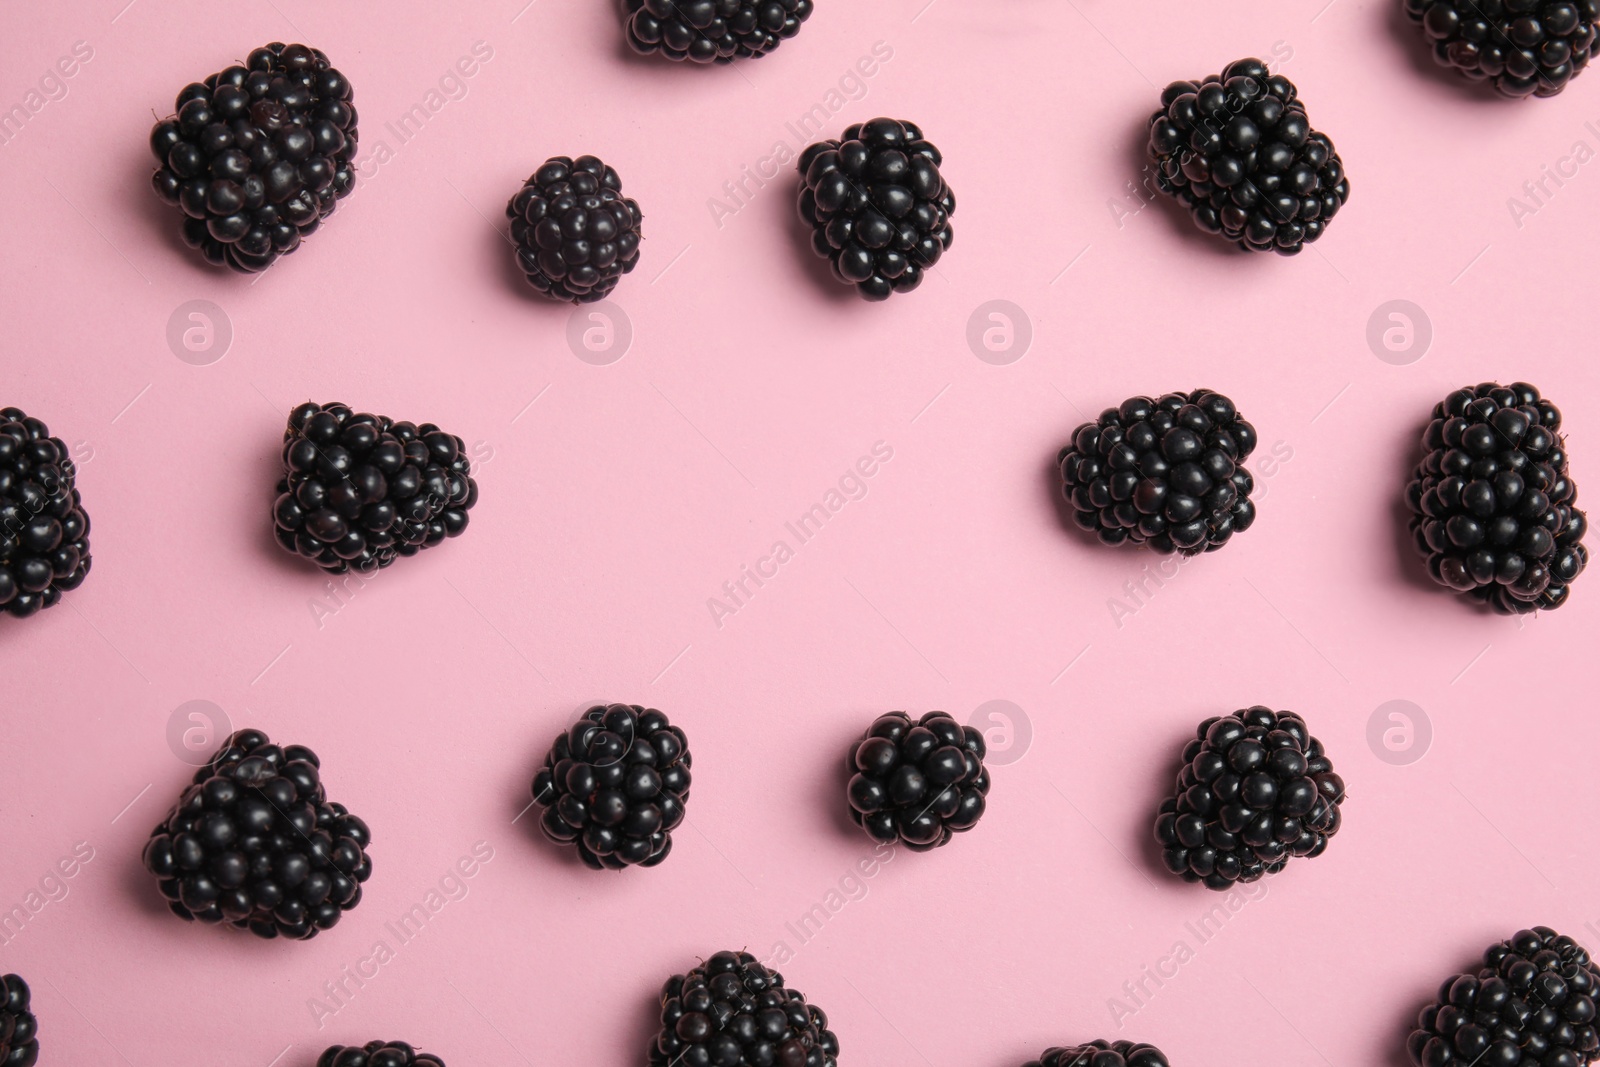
44,531
1240,154
919,782
615,786
1170,472
1103,1054
877,205
1255,789
576,234
258,155
733,1012
1493,509
1521,47
377,1054
1532,1002
360,490
19,1031
254,843
712,31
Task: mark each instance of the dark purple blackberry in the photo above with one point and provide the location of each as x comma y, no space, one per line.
877,205
258,155
19,1030
360,490
918,782
1532,1002
1521,47
733,1012
1170,472
44,531
1255,789
615,786
712,31
254,843
1240,154
1493,509
1103,1054
377,1054
576,234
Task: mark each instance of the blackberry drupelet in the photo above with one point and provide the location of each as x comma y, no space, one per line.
712,31
1521,47
615,786
19,1030
576,234
1240,154
44,531
877,205
255,843
361,490
1170,472
1532,1002
1255,789
377,1054
258,155
918,782
1103,1054
733,1012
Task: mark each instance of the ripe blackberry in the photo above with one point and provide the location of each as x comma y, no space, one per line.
1170,472
360,490
1255,789
1521,47
19,1030
712,31
1240,154
615,786
919,782
1493,509
1103,1054
576,234
1532,1002
254,843
733,1012
258,155
44,531
877,205
377,1054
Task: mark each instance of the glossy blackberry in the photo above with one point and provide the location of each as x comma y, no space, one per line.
19,1030
1103,1054
258,155
919,781
576,234
377,1054
44,531
1532,1002
1493,508
1240,154
615,785
1170,472
361,490
1521,47
712,31
877,205
254,843
733,1012
1255,789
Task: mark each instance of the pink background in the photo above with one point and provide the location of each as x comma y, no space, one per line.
616,505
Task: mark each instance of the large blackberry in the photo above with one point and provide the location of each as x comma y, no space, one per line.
919,782
733,1012
1532,1002
1521,47
19,1030
877,205
615,786
1170,472
255,843
258,155
576,234
1240,154
1103,1054
712,31
377,1054
360,490
1255,789
1493,509
44,531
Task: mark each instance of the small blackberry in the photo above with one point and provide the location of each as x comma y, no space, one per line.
377,1054
1532,1002
1521,47
733,1012
19,1030
44,531
360,490
254,843
1170,472
576,234
1240,154
615,786
877,205
258,155
919,782
712,31
1103,1054
1255,789
1493,509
